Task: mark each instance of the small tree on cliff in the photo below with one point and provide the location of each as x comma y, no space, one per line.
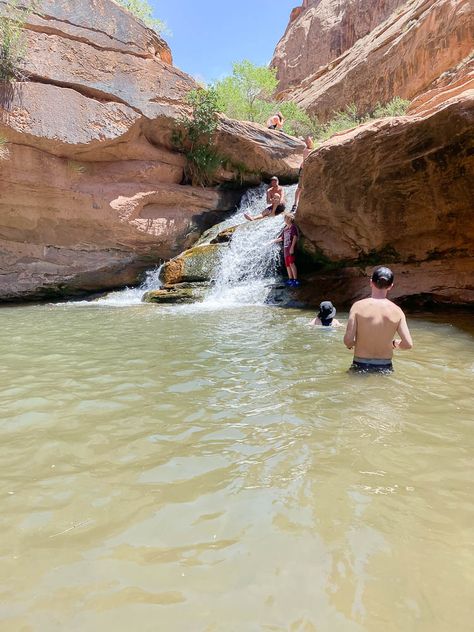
194,137
245,93
144,11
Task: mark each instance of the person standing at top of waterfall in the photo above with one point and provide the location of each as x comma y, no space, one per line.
309,146
275,201
289,237
276,121
372,325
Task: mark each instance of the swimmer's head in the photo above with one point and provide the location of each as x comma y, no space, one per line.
382,278
309,142
273,180
289,218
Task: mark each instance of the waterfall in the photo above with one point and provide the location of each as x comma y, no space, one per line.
249,265
132,296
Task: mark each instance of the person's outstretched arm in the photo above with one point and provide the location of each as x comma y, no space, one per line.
351,330
406,341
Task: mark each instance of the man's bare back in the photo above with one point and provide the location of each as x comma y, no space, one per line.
374,322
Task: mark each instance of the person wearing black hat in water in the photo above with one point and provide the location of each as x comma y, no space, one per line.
325,316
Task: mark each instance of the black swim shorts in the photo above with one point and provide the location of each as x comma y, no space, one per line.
362,365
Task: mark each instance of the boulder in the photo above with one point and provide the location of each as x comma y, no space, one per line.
397,191
402,56
196,264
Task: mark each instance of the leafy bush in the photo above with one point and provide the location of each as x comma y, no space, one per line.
4,151
348,118
395,107
194,136
144,11
12,42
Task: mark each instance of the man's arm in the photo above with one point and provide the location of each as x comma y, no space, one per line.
351,329
406,341
269,199
282,195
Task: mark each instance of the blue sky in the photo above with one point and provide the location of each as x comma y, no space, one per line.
208,35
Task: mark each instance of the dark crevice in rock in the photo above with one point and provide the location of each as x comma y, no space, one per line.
45,17
86,91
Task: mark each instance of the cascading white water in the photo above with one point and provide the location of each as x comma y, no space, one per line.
249,264
130,296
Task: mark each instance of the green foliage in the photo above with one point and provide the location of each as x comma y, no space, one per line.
395,107
12,41
144,11
245,93
194,137
4,151
350,117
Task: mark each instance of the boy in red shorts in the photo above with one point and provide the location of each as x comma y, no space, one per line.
289,237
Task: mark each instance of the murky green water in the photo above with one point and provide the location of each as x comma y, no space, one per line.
219,471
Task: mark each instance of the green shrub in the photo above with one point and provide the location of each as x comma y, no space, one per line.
247,95
395,107
349,118
4,151
144,11
12,42
194,135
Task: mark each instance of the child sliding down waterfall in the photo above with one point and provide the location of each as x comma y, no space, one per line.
289,237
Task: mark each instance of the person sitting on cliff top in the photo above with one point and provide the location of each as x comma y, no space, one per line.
276,121
306,152
325,316
275,201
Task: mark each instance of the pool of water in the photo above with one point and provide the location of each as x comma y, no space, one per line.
186,469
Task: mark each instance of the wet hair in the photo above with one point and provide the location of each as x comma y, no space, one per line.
273,178
280,116
382,278
289,216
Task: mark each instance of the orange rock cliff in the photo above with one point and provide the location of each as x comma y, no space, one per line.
397,191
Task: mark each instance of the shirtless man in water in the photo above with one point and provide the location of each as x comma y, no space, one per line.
372,325
275,201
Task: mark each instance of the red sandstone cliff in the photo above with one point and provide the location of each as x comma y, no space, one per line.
399,56
90,183
321,32
395,191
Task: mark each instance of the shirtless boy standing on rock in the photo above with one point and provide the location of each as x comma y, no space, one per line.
372,325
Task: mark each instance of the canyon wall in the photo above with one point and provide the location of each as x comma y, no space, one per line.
401,56
91,189
396,191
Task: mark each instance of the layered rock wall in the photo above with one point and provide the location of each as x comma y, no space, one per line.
397,192
402,56
321,32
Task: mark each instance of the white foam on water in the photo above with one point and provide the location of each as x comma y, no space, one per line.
128,296
249,264
247,270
